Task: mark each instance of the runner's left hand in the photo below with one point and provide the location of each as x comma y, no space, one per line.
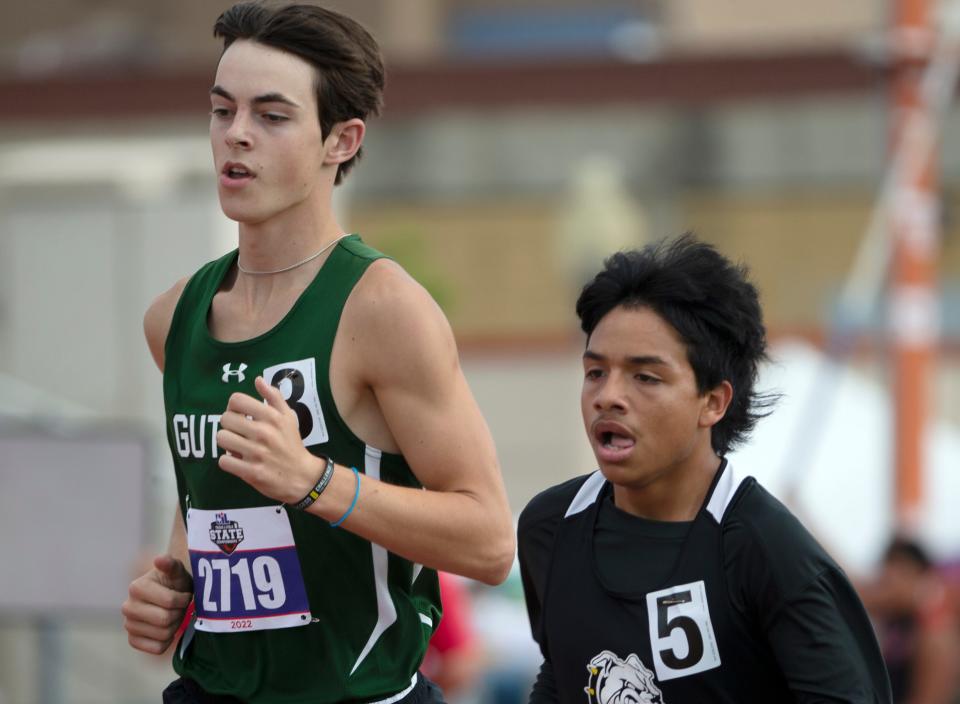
263,445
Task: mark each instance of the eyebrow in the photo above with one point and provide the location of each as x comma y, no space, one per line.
265,98
638,360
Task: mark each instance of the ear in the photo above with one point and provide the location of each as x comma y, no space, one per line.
344,141
716,401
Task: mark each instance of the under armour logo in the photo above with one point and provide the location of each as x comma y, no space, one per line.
238,372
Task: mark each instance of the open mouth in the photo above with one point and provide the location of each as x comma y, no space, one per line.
236,171
615,441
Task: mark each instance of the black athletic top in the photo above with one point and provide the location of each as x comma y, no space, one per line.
739,605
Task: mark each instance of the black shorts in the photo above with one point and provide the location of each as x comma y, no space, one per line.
184,691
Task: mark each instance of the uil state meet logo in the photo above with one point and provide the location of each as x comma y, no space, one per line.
616,681
225,534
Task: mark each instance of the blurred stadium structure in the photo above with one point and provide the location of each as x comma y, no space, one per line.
516,133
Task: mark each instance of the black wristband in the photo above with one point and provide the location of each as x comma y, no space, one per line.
318,488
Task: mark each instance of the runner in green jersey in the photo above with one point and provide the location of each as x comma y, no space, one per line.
328,452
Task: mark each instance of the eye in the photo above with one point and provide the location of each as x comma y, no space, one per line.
594,373
220,112
647,379
273,117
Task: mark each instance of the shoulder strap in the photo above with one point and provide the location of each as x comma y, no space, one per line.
199,290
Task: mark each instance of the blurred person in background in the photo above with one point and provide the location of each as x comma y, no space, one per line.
916,620
325,442
454,658
511,658
667,575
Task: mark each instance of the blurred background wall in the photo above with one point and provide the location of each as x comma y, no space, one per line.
522,142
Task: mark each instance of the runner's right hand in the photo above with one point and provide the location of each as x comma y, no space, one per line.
156,604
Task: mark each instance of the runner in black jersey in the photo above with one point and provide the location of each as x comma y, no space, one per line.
329,454
668,576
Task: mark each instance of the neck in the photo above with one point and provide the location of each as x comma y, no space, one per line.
676,494
286,239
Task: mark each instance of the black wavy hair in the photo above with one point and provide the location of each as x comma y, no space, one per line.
350,74
711,304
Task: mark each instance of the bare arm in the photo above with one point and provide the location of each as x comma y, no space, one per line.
177,545
157,600
461,523
156,321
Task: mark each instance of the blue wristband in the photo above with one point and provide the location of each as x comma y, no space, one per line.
353,503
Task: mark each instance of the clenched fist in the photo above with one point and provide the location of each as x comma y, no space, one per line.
156,604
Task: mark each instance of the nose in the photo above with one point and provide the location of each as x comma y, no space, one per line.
238,135
610,394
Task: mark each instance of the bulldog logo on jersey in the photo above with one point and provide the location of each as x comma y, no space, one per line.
225,534
616,681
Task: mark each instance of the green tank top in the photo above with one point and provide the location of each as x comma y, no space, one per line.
373,612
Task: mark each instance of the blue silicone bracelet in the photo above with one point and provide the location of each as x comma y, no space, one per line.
353,503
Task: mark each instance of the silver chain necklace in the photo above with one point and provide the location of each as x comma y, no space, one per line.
292,266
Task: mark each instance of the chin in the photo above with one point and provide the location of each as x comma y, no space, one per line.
239,213
233,209
625,474
617,473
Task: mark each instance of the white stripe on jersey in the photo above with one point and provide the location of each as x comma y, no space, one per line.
386,611
723,493
399,695
589,491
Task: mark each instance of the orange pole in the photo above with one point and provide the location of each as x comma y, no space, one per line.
913,295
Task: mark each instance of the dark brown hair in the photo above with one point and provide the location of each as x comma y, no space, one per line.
350,76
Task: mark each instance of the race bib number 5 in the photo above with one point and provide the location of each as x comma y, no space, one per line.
246,574
681,631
